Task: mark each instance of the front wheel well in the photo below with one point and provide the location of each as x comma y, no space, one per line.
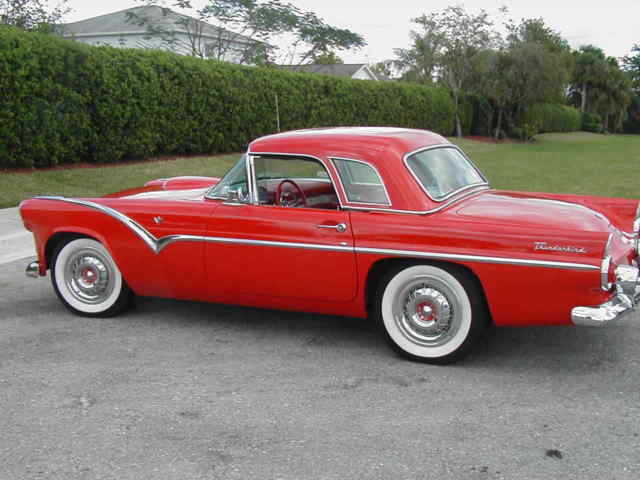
382,268
57,239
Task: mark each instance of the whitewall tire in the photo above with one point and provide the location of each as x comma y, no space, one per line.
87,280
431,314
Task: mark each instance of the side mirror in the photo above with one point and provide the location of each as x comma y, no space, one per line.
236,197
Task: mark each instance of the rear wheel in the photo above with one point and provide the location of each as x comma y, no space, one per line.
87,280
431,314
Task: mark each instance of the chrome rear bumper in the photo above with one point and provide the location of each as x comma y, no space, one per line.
33,270
627,297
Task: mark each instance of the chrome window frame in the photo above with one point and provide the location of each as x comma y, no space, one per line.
406,157
254,188
208,195
344,191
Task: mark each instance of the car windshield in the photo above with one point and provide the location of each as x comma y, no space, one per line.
443,171
234,180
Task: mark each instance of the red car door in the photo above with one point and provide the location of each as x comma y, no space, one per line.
278,232
298,253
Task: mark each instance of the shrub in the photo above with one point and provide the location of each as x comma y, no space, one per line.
550,117
592,122
66,102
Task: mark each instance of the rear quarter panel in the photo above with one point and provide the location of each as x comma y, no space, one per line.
517,295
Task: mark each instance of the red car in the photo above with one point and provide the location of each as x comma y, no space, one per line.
393,224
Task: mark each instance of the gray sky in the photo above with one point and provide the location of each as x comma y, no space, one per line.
613,25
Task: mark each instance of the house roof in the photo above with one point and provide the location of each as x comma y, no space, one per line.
335,69
123,22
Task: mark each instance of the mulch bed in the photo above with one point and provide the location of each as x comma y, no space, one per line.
480,138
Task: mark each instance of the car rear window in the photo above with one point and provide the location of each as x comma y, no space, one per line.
361,182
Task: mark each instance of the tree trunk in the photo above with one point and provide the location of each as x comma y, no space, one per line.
583,104
456,101
498,125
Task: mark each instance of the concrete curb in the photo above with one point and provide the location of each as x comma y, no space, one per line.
15,241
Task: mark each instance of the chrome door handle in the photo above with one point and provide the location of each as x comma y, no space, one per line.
341,227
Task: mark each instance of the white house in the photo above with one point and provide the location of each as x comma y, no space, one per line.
154,27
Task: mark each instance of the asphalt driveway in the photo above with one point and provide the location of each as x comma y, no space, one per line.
178,390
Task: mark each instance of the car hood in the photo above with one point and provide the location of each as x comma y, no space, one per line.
528,210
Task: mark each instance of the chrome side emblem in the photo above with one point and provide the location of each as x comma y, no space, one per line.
558,248
158,220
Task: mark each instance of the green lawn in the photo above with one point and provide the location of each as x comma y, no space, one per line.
572,163
90,182
582,163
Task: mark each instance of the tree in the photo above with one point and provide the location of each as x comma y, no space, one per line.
601,86
613,95
329,58
246,28
542,55
535,30
631,64
493,81
35,15
590,68
445,48
418,63
207,32
323,39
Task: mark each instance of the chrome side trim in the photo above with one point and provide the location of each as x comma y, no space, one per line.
346,196
450,194
478,258
269,243
478,189
158,244
146,236
166,241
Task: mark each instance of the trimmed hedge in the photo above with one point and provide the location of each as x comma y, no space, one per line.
63,102
550,117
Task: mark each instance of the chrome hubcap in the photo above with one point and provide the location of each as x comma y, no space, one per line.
425,312
89,277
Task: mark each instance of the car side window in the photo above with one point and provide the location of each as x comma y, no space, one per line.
234,182
361,182
293,182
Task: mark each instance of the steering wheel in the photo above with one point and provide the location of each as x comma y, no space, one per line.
295,198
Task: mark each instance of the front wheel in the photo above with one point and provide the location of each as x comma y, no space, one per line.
431,314
87,280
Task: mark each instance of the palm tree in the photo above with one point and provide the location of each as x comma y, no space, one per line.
590,66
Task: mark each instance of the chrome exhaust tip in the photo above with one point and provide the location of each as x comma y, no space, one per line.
33,270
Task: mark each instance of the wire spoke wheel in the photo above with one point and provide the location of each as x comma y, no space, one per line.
87,280
428,314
